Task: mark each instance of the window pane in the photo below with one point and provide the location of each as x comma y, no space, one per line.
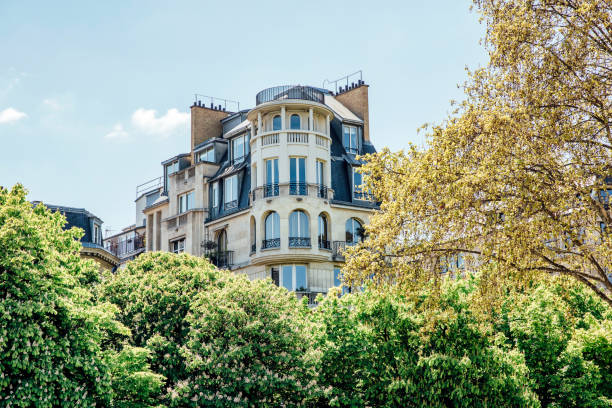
337,281
276,170
276,123
346,137
302,169
300,277
269,172
234,188
303,224
295,121
292,170
293,224
353,137
288,277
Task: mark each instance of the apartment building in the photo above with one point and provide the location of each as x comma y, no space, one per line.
91,240
272,191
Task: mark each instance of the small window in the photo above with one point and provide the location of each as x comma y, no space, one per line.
349,139
276,122
231,191
178,246
207,155
185,202
295,121
96,234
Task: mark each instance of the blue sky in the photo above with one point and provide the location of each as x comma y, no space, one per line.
94,95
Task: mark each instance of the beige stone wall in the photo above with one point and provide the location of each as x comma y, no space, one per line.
357,101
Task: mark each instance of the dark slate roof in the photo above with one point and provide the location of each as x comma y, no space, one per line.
368,148
178,156
227,169
210,141
75,217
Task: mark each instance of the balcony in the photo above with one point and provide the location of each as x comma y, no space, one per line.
338,250
270,243
270,190
223,259
297,188
279,93
299,242
290,189
312,296
125,247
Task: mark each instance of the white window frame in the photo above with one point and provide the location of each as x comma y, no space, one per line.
274,173
350,148
185,202
320,172
293,276
180,246
233,182
215,195
298,160
299,227
245,148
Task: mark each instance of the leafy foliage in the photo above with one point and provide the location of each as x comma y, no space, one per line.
248,347
520,173
385,350
154,294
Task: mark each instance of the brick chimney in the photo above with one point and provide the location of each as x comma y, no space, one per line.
205,124
356,100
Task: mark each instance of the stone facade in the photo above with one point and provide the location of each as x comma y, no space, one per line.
271,192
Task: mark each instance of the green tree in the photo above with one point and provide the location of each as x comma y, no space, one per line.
50,330
154,294
401,354
249,346
520,173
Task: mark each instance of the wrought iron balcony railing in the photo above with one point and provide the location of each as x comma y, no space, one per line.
231,205
299,242
271,190
127,246
298,188
270,243
289,92
322,191
223,259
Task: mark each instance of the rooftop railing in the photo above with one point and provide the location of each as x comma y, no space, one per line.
278,93
148,186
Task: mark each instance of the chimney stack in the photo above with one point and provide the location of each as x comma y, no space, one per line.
356,100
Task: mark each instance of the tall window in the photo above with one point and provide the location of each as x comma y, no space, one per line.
185,202
276,122
271,188
321,187
293,277
207,155
222,241
357,181
240,148
295,121
298,229
253,235
215,195
178,246
272,231
96,234
354,231
297,176
323,234
231,192
349,139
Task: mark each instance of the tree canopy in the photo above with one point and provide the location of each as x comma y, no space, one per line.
520,174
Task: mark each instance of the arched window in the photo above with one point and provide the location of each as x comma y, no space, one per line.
253,235
272,231
222,242
354,231
323,233
276,123
295,121
299,235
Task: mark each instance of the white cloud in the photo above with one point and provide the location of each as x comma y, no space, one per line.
146,121
118,133
11,115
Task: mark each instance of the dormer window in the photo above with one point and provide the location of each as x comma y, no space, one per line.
349,139
170,169
207,155
240,148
